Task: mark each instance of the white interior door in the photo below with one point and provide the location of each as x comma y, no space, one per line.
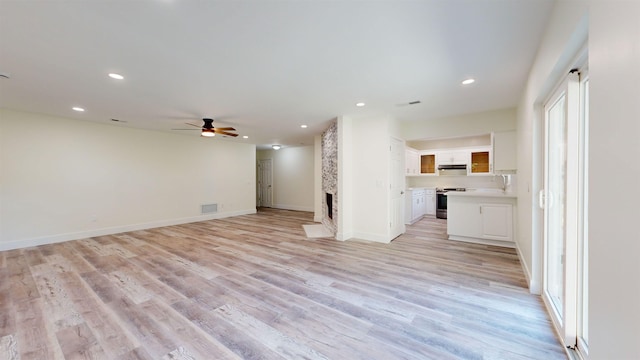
265,183
396,185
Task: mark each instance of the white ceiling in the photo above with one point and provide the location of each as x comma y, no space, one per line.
265,67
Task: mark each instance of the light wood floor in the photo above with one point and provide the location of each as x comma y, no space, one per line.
254,287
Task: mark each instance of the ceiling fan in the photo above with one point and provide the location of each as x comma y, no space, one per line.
209,131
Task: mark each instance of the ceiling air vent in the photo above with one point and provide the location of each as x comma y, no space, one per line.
415,102
209,208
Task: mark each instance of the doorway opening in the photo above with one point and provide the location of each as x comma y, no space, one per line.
265,183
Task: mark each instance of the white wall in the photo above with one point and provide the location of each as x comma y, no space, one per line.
614,237
614,232
463,125
565,36
293,177
457,142
64,179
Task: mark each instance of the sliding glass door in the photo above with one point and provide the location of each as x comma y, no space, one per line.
564,200
555,202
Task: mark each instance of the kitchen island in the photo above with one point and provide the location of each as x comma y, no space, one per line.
485,216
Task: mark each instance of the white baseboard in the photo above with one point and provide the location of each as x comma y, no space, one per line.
371,237
52,239
292,207
342,236
507,244
534,286
525,268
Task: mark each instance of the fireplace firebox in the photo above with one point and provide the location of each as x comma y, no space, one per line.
329,205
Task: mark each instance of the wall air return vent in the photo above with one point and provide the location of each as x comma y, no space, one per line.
209,208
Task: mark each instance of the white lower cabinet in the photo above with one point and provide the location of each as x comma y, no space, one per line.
486,220
416,206
497,221
463,218
430,201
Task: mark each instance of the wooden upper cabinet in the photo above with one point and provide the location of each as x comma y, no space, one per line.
480,162
428,164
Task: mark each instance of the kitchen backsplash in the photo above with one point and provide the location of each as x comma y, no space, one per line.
476,182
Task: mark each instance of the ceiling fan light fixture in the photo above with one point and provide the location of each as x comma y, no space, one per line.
208,133
276,147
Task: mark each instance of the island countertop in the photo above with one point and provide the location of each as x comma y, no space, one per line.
493,193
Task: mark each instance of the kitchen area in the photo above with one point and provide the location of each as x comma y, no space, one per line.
469,182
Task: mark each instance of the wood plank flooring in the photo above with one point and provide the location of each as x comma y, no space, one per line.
254,287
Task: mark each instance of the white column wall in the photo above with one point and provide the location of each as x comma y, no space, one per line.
363,177
346,150
317,178
371,178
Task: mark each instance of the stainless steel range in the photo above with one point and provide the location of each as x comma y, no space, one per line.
441,201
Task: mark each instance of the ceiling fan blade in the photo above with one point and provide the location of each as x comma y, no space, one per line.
186,129
226,128
198,126
226,133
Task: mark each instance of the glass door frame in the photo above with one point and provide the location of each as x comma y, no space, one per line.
583,228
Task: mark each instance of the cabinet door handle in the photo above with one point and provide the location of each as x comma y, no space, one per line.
480,209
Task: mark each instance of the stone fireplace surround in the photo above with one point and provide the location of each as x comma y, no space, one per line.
329,149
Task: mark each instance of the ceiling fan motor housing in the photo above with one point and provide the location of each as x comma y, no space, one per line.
208,123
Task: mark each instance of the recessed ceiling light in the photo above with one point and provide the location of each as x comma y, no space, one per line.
116,76
468,81
303,126
276,147
79,109
245,137
360,104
